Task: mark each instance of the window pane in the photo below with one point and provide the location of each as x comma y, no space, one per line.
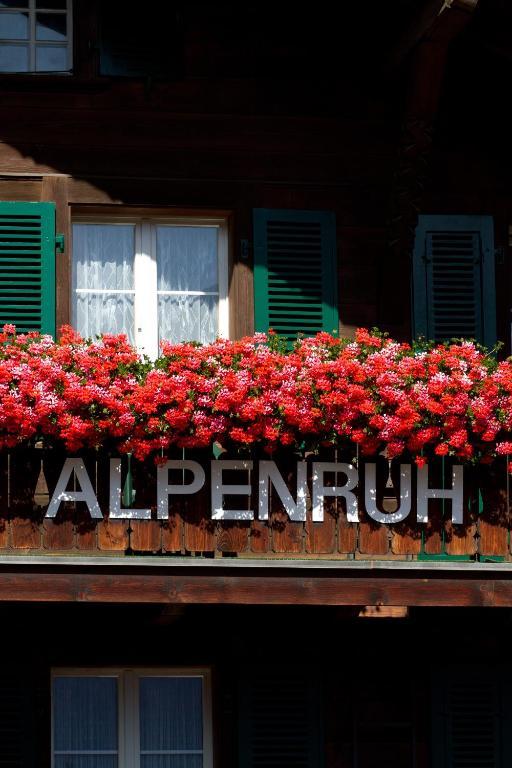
51,26
51,58
14,26
13,58
171,715
103,256
187,258
97,313
85,714
85,761
171,761
13,4
188,318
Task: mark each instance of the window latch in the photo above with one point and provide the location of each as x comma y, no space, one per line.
59,243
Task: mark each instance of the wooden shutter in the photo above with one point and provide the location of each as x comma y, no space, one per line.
279,720
27,266
453,278
295,272
17,722
470,718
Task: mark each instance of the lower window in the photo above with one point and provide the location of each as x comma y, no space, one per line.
131,718
151,279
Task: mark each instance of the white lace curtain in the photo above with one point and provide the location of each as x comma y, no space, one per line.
106,294
103,279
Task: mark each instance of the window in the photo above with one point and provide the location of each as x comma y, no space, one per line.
35,36
124,718
453,278
151,279
138,44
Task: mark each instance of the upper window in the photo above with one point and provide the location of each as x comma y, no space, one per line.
124,718
35,35
133,43
151,279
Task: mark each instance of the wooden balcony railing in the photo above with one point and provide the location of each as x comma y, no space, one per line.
28,478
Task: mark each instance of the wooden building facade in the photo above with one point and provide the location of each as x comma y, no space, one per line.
259,166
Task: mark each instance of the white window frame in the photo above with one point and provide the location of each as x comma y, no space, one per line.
32,42
145,271
128,751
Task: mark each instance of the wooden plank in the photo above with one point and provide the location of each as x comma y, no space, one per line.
241,284
347,535
4,533
286,535
19,188
24,468
145,535
4,510
173,528
259,537
59,535
460,539
321,536
113,535
406,537
25,533
199,529
85,532
146,161
493,522
432,537
425,589
55,189
492,539
233,536
373,537
172,531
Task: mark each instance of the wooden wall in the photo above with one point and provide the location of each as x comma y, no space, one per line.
376,676
309,113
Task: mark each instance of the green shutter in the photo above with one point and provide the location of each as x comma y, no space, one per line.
279,719
453,279
470,717
27,266
295,272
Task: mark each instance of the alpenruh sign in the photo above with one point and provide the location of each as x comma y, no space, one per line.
177,478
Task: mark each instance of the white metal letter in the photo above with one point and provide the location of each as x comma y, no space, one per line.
370,495
320,491
164,489
269,473
77,468
219,490
116,510
455,494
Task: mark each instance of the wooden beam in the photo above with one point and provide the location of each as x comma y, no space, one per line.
283,589
434,15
